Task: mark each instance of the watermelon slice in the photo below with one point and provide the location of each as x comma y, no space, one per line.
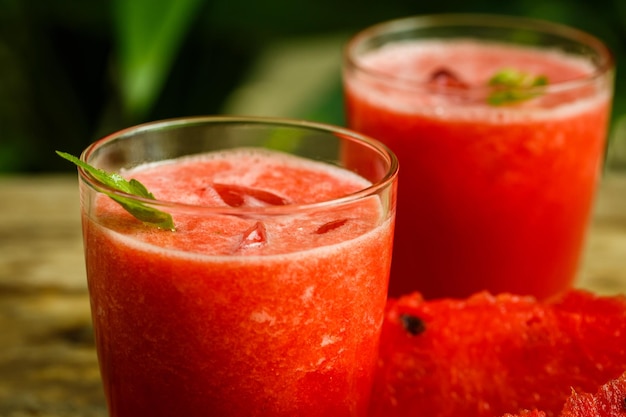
608,401
487,355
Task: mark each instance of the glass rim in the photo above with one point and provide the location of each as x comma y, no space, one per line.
352,61
386,154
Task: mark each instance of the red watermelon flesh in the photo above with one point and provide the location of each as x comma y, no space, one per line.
491,355
608,401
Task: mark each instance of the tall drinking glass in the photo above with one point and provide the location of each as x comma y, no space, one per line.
266,297
499,124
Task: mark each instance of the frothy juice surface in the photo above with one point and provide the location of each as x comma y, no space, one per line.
239,315
490,197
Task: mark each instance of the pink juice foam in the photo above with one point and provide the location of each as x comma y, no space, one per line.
240,315
473,63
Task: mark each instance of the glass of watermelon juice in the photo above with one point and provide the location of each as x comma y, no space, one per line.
499,124
266,297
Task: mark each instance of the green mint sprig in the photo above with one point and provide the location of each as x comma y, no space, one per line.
512,86
141,211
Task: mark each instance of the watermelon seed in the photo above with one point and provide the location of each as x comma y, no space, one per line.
412,324
624,404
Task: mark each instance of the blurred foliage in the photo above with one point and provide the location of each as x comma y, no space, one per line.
72,71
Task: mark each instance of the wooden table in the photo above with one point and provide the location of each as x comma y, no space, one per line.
48,363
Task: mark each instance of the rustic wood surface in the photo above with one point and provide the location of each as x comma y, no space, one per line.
48,364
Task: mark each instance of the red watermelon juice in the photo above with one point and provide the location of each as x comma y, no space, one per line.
493,195
268,297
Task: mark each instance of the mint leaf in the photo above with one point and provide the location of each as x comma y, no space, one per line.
512,86
141,211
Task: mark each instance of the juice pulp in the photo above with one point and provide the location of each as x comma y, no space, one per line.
490,197
239,315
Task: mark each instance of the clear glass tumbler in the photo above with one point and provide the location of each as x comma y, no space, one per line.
266,297
499,124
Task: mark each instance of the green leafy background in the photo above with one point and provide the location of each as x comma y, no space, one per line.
72,71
